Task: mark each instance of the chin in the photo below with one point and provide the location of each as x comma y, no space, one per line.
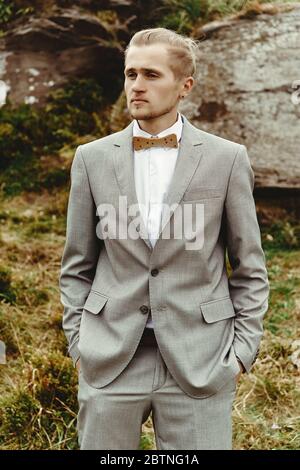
140,114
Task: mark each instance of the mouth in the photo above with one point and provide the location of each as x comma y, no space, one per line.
138,101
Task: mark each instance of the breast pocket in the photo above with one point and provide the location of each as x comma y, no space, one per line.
196,194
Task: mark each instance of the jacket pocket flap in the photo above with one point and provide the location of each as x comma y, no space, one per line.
217,310
95,302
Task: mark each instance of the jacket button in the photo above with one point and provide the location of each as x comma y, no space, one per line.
154,272
144,309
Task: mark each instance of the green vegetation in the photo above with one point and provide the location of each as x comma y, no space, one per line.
283,235
10,11
28,135
6,11
188,15
5,284
40,414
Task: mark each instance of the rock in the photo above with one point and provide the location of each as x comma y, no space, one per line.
48,50
60,40
247,92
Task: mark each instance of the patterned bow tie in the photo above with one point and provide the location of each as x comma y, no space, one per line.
140,143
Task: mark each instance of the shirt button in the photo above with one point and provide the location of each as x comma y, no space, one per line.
144,309
154,272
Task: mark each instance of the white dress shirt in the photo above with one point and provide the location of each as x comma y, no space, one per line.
153,171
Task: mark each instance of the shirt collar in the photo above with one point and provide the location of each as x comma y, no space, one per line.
176,128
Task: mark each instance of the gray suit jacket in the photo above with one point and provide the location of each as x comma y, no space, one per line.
203,319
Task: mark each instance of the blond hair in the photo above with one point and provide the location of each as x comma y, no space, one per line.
182,49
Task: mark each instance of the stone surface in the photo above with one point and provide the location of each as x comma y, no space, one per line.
63,39
244,92
48,50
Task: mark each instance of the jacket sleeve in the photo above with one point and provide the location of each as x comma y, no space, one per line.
248,283
80,254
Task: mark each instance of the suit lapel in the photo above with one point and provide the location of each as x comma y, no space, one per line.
124,168
189,156
188,159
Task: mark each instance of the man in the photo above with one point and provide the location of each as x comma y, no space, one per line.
153,321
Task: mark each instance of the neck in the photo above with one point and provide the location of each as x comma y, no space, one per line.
157,125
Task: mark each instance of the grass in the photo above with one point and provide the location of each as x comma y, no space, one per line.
266,411
38,383
38,391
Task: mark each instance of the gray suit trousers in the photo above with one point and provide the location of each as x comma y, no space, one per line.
111,417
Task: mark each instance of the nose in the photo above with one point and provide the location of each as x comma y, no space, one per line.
138,84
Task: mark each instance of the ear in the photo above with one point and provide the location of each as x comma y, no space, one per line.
189,83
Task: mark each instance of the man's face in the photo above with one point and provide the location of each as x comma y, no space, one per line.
148,77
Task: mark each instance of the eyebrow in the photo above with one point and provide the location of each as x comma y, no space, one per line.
132,69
